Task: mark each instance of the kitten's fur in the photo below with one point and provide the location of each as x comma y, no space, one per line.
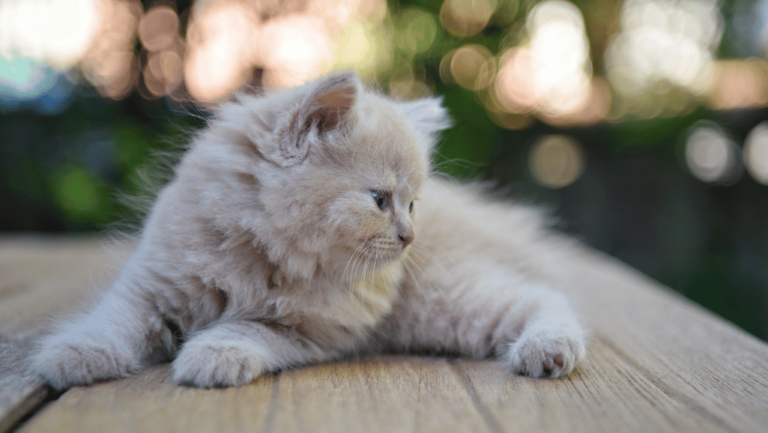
268,251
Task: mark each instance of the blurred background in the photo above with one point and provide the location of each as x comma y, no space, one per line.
639,123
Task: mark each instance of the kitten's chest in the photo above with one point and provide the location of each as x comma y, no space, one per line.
365,301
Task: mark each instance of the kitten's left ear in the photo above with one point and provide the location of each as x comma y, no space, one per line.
428,118
320,109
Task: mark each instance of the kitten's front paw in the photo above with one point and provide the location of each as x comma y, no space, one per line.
64,364
209,364
545,354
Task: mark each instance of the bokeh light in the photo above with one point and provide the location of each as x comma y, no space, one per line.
415,30
221,46
363,46
552,73
158,28
231,44
110,64
95,36
739,84
515,85
58,32
711,156
471,66
21,78
294,50
559,56
556,161
221,49
663,45
658,57
25,83
464,18
756,153
405,83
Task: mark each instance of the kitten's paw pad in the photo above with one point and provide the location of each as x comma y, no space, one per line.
65,364
545,354
216,364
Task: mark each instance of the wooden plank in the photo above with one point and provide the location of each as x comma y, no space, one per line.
42,278
656,362
381,394
390,393
606,395
150,402
701,361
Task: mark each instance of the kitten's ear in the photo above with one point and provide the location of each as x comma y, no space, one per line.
330,102
319,109
428,118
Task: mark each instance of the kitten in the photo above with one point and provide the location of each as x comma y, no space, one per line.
302,226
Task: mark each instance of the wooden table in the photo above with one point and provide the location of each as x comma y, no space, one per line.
655,363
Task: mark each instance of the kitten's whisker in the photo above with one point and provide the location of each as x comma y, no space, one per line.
366,256
411,268
353,270
351,284
354,254
365,268
354,280
415,265
419,252
410,188
375,273
344,273
418,271
387,281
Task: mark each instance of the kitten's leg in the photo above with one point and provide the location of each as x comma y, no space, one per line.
235,353
113,340
551,343
532,329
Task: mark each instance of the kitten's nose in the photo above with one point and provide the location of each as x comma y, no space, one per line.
406,238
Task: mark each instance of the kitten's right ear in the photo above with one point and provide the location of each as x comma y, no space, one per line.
428,118
314,112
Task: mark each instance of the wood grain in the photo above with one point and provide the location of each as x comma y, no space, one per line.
656,362
42,278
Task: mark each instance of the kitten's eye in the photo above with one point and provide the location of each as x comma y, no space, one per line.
410,208
380,197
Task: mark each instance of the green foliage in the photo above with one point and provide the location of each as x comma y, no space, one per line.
79,194
464,151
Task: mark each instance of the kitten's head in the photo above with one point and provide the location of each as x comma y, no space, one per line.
326,173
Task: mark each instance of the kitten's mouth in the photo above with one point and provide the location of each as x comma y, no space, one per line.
369,257
383,256
377,252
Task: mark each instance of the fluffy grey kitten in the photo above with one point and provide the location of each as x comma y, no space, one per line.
302,226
